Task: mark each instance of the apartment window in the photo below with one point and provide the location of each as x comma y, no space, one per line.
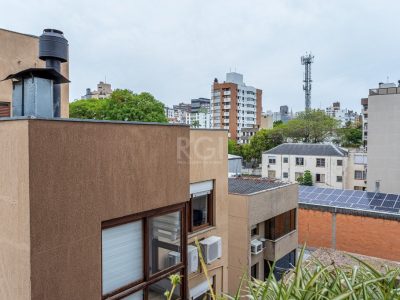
339,162
272,160
254,230
297,175
254,271
139,252
201,205
359,188
202,290
321,162
339,179
360,175
285,174
299,161
320,178
280,225
271,174
285,160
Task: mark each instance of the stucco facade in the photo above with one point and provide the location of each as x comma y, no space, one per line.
208,149
60,180
252,211
383,139
21,51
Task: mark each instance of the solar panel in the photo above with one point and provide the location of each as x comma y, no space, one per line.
355,200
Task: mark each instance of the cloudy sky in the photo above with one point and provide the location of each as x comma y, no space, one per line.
174,49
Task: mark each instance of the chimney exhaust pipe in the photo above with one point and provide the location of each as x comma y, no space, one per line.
53,49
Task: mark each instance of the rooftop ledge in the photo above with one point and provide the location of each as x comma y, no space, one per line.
90,121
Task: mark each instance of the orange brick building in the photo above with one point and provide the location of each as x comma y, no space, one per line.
365,234
371,232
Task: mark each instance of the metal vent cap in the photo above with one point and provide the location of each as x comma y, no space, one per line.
53,45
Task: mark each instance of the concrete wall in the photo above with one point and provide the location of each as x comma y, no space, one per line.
15,241
248,210
80,174
208,152
331,169
18,52
384,142
359,234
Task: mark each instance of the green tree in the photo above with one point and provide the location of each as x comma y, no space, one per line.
122,105
263,140
234,148
350,135
277,123
312,126
196,124
306,179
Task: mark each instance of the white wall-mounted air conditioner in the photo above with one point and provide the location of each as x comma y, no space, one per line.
173,258
211,248
193,259
256,247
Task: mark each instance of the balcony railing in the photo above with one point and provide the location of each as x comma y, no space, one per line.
276,249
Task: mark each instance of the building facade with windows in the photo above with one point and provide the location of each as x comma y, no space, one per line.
235,105
343,115
327,163
20,51
383,138
104,90
88,214
263,228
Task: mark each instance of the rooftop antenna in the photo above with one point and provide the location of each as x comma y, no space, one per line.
307,60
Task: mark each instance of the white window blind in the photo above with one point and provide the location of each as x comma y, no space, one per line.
201,188
200,289
122,248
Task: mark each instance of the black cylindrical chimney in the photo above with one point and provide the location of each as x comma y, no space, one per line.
53,48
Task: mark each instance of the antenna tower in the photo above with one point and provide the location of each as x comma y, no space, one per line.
307,60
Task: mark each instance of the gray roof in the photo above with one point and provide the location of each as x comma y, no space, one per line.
308,149
247,186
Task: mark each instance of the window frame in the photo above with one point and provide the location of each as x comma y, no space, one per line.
288,222
148,278
319,164
285,173
341,178
297,160
339,164
363,175
286,160
319,174
210,213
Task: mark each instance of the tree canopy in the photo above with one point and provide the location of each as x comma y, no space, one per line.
122,105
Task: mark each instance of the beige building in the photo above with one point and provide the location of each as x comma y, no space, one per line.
330,166
263,228
20,51
384,138
327,163
76,195
267,121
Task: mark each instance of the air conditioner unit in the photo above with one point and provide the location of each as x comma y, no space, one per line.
173,258
256,247
211,248
193,259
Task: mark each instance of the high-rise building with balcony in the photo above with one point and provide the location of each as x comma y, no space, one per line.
235,105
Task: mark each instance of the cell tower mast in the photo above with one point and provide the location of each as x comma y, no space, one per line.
307,60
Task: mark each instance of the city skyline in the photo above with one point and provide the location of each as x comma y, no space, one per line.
198,42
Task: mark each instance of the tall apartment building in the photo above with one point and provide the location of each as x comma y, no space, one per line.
383,138
263,228
200,104
235,105
20,51
104,90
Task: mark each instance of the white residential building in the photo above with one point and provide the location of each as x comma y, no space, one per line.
342,115
104,90
202,119
327,163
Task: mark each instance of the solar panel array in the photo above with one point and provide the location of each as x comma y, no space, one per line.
350,199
